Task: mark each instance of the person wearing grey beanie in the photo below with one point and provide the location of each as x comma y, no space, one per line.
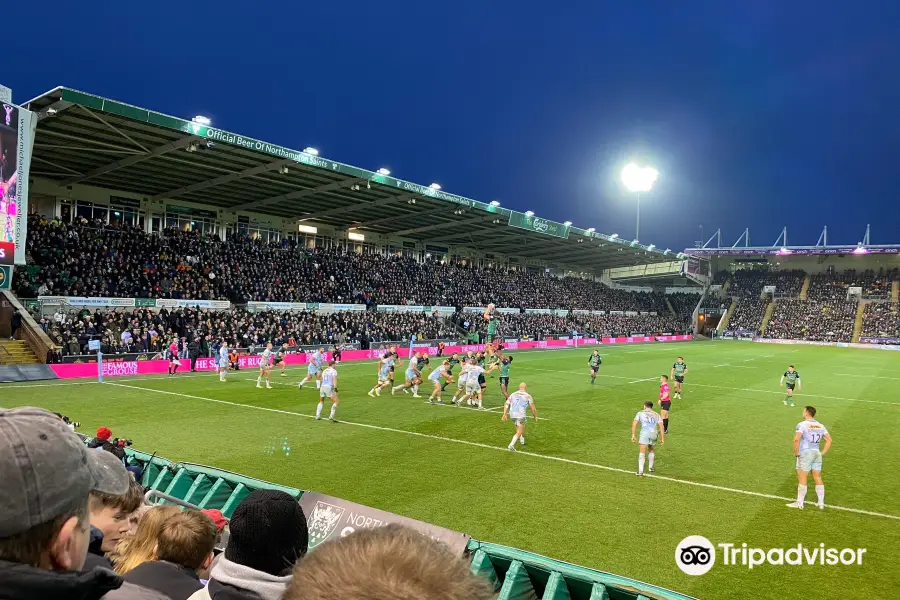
268,536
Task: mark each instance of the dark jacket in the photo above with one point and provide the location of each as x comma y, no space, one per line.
21,582
95,556
175,581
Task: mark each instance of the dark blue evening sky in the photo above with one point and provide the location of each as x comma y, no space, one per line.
757,114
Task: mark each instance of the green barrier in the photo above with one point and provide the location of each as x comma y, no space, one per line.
513,574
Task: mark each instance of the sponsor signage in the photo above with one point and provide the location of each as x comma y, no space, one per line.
507,311
820,251
474,309
538,311
538,225
560,312
208,304
403,308
6,277
879,340
331,518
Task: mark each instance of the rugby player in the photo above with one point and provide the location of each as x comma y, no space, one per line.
442,372
679,370
791,378
665,402
265,367
328,390
314,370
807,437
515,407
649,421
594,362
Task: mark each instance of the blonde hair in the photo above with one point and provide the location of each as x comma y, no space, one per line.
187,539
139,548
386,563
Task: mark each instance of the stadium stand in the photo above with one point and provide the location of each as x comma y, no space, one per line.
814,320
880,320
749,283
748,315
684,303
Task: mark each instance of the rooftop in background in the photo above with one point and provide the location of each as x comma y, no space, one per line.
742,247
83,138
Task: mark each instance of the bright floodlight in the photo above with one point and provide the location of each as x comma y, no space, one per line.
591,229
435,186
201,120
614,236
311,151
494,203
639,179
529,213
568,223
383,171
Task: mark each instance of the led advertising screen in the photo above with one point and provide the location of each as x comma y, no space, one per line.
9,207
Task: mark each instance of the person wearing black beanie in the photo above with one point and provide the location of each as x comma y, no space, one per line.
268,537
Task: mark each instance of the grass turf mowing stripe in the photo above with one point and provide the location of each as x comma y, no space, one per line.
503,449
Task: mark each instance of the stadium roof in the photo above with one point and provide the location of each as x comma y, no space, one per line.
86,139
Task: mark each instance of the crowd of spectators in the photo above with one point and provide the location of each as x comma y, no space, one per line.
83,531
684,303
834,285
539,326
814,320
749,283
748,315
720,277
91,259
880,320
715,302
145,330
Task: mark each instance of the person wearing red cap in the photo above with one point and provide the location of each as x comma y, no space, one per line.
104,433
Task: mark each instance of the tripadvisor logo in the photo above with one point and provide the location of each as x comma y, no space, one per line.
696,555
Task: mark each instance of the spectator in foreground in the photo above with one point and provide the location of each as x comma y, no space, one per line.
268,537
386,563
139,548
184,550
44,516
110,516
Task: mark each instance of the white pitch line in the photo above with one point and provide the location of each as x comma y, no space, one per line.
800,395
503,449
647,379
867,376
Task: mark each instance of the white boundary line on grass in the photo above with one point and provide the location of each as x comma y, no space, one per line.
502,449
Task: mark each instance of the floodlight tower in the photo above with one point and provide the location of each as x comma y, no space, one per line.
639,180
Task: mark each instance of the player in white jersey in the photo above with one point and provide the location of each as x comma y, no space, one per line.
385,364
314,369
328,390
438,377
413,374
473,386
461,382
649,421
807,437
223,361
515,407
265,366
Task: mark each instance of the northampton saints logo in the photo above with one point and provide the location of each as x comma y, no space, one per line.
322,522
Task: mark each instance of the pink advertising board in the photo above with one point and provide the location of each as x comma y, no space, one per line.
151,367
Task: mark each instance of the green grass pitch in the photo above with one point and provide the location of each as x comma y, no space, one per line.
725,472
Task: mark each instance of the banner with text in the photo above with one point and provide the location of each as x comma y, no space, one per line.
332,518
17,127
404,308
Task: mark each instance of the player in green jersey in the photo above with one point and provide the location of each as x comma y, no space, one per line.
453,361
494,361
791,379
594,361
505,362
679,370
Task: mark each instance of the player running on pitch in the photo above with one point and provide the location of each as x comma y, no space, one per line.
222,363
385,364
679,370
265,366
441,373
665,401
461,382
514,408
649,421
807,437
329,389
314,370
279,358
454,360
790,378
412,375
594,361
473,384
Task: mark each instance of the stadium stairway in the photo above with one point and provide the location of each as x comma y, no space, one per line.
895,292
770,308
515,574
857,325
671,308
16,352
804,290
723,323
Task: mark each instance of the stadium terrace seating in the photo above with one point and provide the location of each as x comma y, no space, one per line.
814,320
142,330
833,285
83,259
684,303
720,277
748,315
713,302
749,283
880,319
540,326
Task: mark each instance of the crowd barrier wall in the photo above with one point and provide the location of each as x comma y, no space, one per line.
151,367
